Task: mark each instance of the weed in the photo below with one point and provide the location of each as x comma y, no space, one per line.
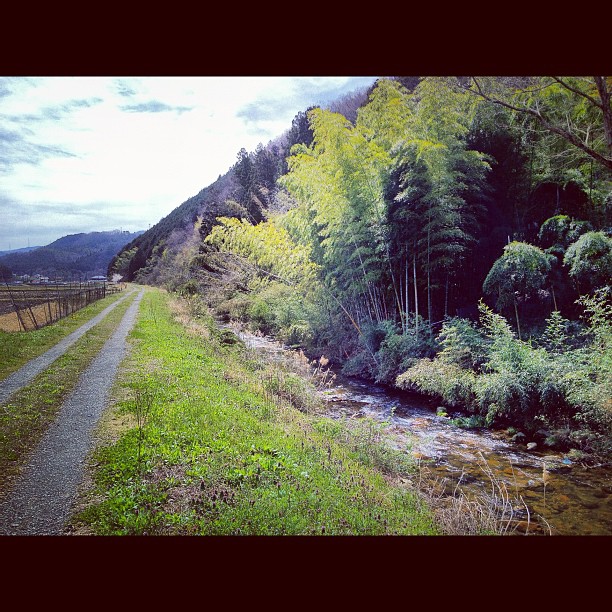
239,444
493,512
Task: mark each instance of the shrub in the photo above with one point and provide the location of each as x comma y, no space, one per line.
590,260
463,344
399,351
474,421
384,350
449,382
235,308
277,309
188,288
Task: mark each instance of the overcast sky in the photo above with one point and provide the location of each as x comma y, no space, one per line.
81,154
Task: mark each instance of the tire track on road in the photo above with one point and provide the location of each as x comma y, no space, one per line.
41,500
19,379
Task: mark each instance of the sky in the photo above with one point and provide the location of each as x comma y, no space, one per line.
83,154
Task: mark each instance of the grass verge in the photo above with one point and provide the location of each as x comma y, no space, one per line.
28,412
17,348
202,439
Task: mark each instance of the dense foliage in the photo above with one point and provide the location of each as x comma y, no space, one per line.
453,232
5,273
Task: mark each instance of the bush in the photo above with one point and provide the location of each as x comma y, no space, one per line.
474,421
276,309
463,344
236,308
590,260
385,350
446,381
188,288
515,377
399,351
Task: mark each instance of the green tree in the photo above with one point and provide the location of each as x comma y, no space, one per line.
565,128
558,232
576,110
123,261
437,135
518,274
338,184
245,171
268,247
590,260
5,273
407,188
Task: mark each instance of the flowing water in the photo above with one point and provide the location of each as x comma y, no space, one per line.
558,495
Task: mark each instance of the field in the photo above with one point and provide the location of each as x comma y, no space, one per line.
27,307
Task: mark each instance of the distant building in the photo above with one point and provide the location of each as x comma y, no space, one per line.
98,278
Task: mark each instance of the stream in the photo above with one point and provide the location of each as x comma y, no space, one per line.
551,493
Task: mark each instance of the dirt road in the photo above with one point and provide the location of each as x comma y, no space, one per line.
24,375
40,502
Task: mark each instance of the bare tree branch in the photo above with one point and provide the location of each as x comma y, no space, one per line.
605,95
578,92
605,161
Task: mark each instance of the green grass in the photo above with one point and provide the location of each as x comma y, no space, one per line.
28,412
17,348
206,448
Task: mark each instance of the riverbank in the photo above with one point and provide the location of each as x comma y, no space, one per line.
203,440
469,471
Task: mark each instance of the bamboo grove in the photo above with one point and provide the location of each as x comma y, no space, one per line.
440,204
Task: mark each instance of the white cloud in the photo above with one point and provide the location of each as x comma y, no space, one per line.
134,149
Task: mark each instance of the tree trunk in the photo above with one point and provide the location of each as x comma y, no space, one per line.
406,288
416,296
428,280
605,96
518,325
446,297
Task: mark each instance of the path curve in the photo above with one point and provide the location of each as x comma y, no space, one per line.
25,374
40,502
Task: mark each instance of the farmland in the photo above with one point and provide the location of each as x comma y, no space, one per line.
28,307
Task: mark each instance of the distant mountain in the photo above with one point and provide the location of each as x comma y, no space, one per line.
85,254
23,250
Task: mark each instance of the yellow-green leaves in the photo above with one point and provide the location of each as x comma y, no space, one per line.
267,246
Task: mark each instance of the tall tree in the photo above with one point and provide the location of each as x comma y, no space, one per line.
449,220
340,182
5,273
246,173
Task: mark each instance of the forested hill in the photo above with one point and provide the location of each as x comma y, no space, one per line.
248,190
85,254
449,235
141,254
14,251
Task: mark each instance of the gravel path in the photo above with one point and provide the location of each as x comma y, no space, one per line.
23,376
41,500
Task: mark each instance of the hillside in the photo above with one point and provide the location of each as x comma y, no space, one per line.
134,255
84,254
453,238
248,190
